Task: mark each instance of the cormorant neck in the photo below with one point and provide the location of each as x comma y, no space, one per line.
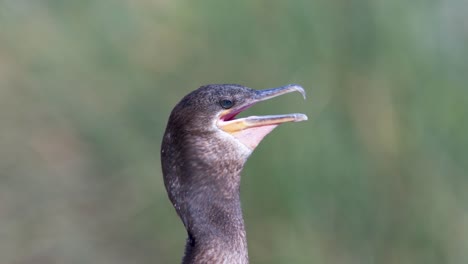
204,190
216,233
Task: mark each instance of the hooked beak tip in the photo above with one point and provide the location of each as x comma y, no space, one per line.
297,87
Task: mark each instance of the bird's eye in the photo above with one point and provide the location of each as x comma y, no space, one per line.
226,103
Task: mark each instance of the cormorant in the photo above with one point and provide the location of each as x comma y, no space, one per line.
203,151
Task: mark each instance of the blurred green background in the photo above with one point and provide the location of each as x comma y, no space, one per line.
377,175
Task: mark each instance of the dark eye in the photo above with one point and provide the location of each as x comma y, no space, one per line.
226,103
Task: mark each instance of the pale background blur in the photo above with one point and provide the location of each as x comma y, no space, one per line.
377,175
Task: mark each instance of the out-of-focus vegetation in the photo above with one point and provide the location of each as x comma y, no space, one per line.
377,175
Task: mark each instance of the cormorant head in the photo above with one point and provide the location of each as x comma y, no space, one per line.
214,107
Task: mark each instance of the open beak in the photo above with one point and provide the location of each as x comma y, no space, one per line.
251,130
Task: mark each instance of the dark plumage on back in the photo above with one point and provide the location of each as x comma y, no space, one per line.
203,152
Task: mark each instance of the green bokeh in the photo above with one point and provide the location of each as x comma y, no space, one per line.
377,175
